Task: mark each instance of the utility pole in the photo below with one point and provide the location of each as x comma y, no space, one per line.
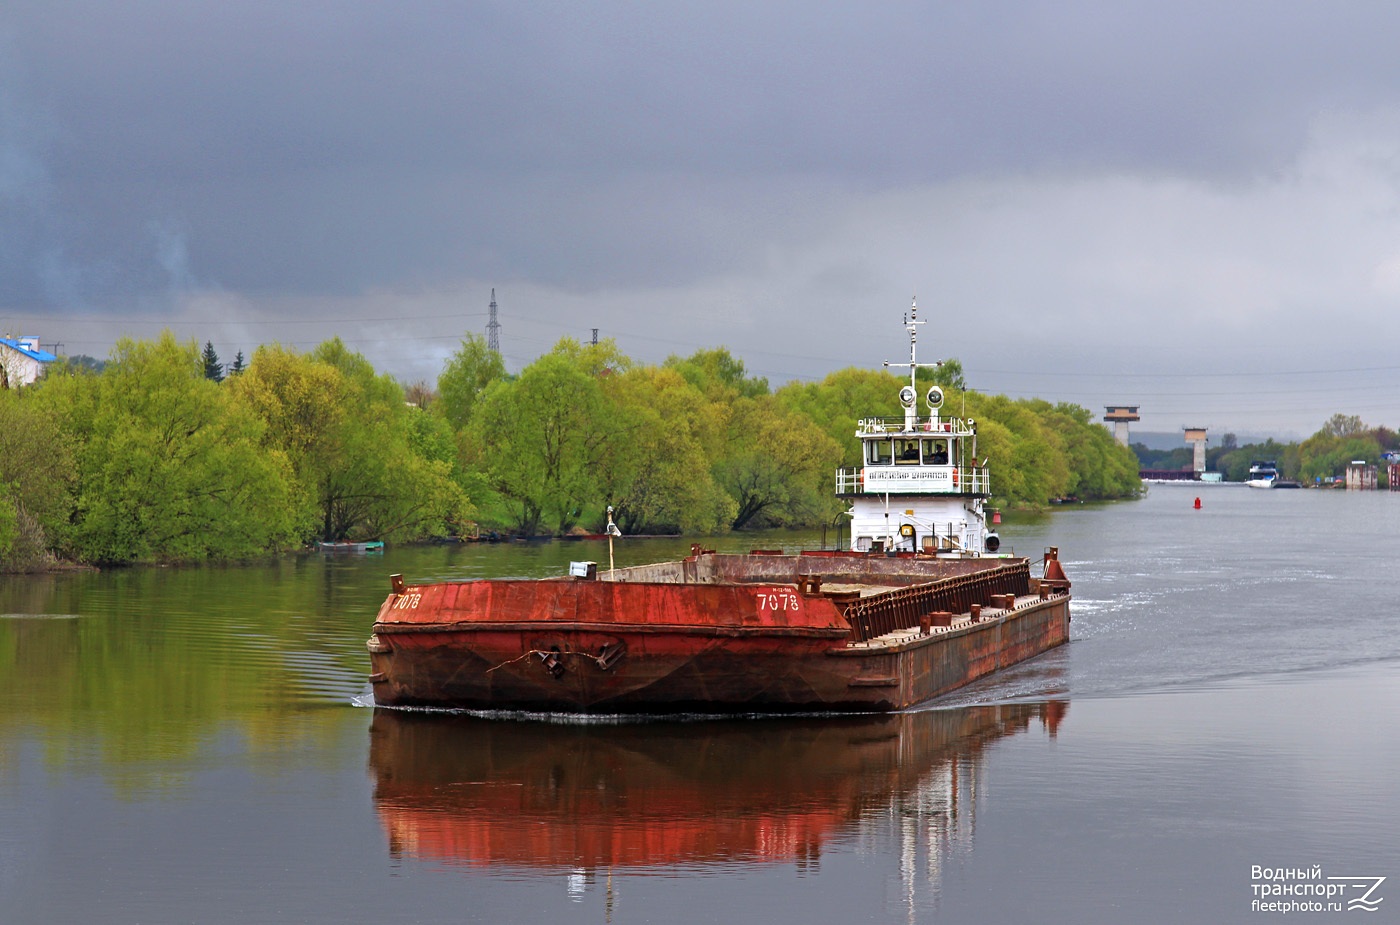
493,327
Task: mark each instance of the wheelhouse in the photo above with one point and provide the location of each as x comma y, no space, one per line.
920,485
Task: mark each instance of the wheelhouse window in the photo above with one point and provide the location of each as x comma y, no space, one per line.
906,452
936,452
878,452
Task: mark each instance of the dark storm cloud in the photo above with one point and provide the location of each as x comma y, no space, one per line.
334,147
1124,187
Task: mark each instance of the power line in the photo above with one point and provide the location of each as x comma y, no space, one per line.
493,326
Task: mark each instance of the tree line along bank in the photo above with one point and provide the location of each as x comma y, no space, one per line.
1320,459
160,454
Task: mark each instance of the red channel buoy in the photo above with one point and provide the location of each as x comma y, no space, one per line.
1198,504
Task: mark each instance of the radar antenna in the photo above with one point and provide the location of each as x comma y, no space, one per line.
908,395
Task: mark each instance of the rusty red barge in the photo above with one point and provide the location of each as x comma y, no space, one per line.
922,603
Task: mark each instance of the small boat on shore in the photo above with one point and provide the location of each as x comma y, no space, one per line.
345,546
923,602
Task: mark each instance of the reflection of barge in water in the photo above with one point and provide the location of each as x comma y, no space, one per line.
476,792
923,602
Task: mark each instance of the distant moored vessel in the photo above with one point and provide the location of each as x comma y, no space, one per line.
1264,474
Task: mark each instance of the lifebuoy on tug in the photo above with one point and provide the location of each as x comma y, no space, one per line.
955,476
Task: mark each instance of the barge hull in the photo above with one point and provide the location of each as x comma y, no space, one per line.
612,668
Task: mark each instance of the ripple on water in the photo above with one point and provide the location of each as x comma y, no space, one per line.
39,616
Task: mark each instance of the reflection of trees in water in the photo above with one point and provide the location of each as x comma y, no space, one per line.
586,798
125,669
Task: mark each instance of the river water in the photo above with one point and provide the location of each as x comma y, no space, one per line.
187,745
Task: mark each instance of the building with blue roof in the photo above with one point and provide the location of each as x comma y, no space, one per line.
22,361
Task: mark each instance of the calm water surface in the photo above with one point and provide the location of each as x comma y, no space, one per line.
183,745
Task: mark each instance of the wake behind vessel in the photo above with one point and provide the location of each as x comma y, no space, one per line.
921,603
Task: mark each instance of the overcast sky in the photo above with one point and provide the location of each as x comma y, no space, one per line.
1193,207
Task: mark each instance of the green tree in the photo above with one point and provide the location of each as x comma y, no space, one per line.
36,476
381,484
948,374
367,465
836,403
1177,458
465,376
718,374
598,360
80,364
773,461
303,405
431,437
1011,486
167,468
1340,441
213,369
1233,465
1099,466
777,466
655,469
1037,456
1343,425
540,441
10,534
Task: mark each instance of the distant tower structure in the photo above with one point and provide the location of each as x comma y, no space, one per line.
1196,439
595,337
493,327
1120,416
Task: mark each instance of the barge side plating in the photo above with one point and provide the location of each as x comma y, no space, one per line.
733,634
